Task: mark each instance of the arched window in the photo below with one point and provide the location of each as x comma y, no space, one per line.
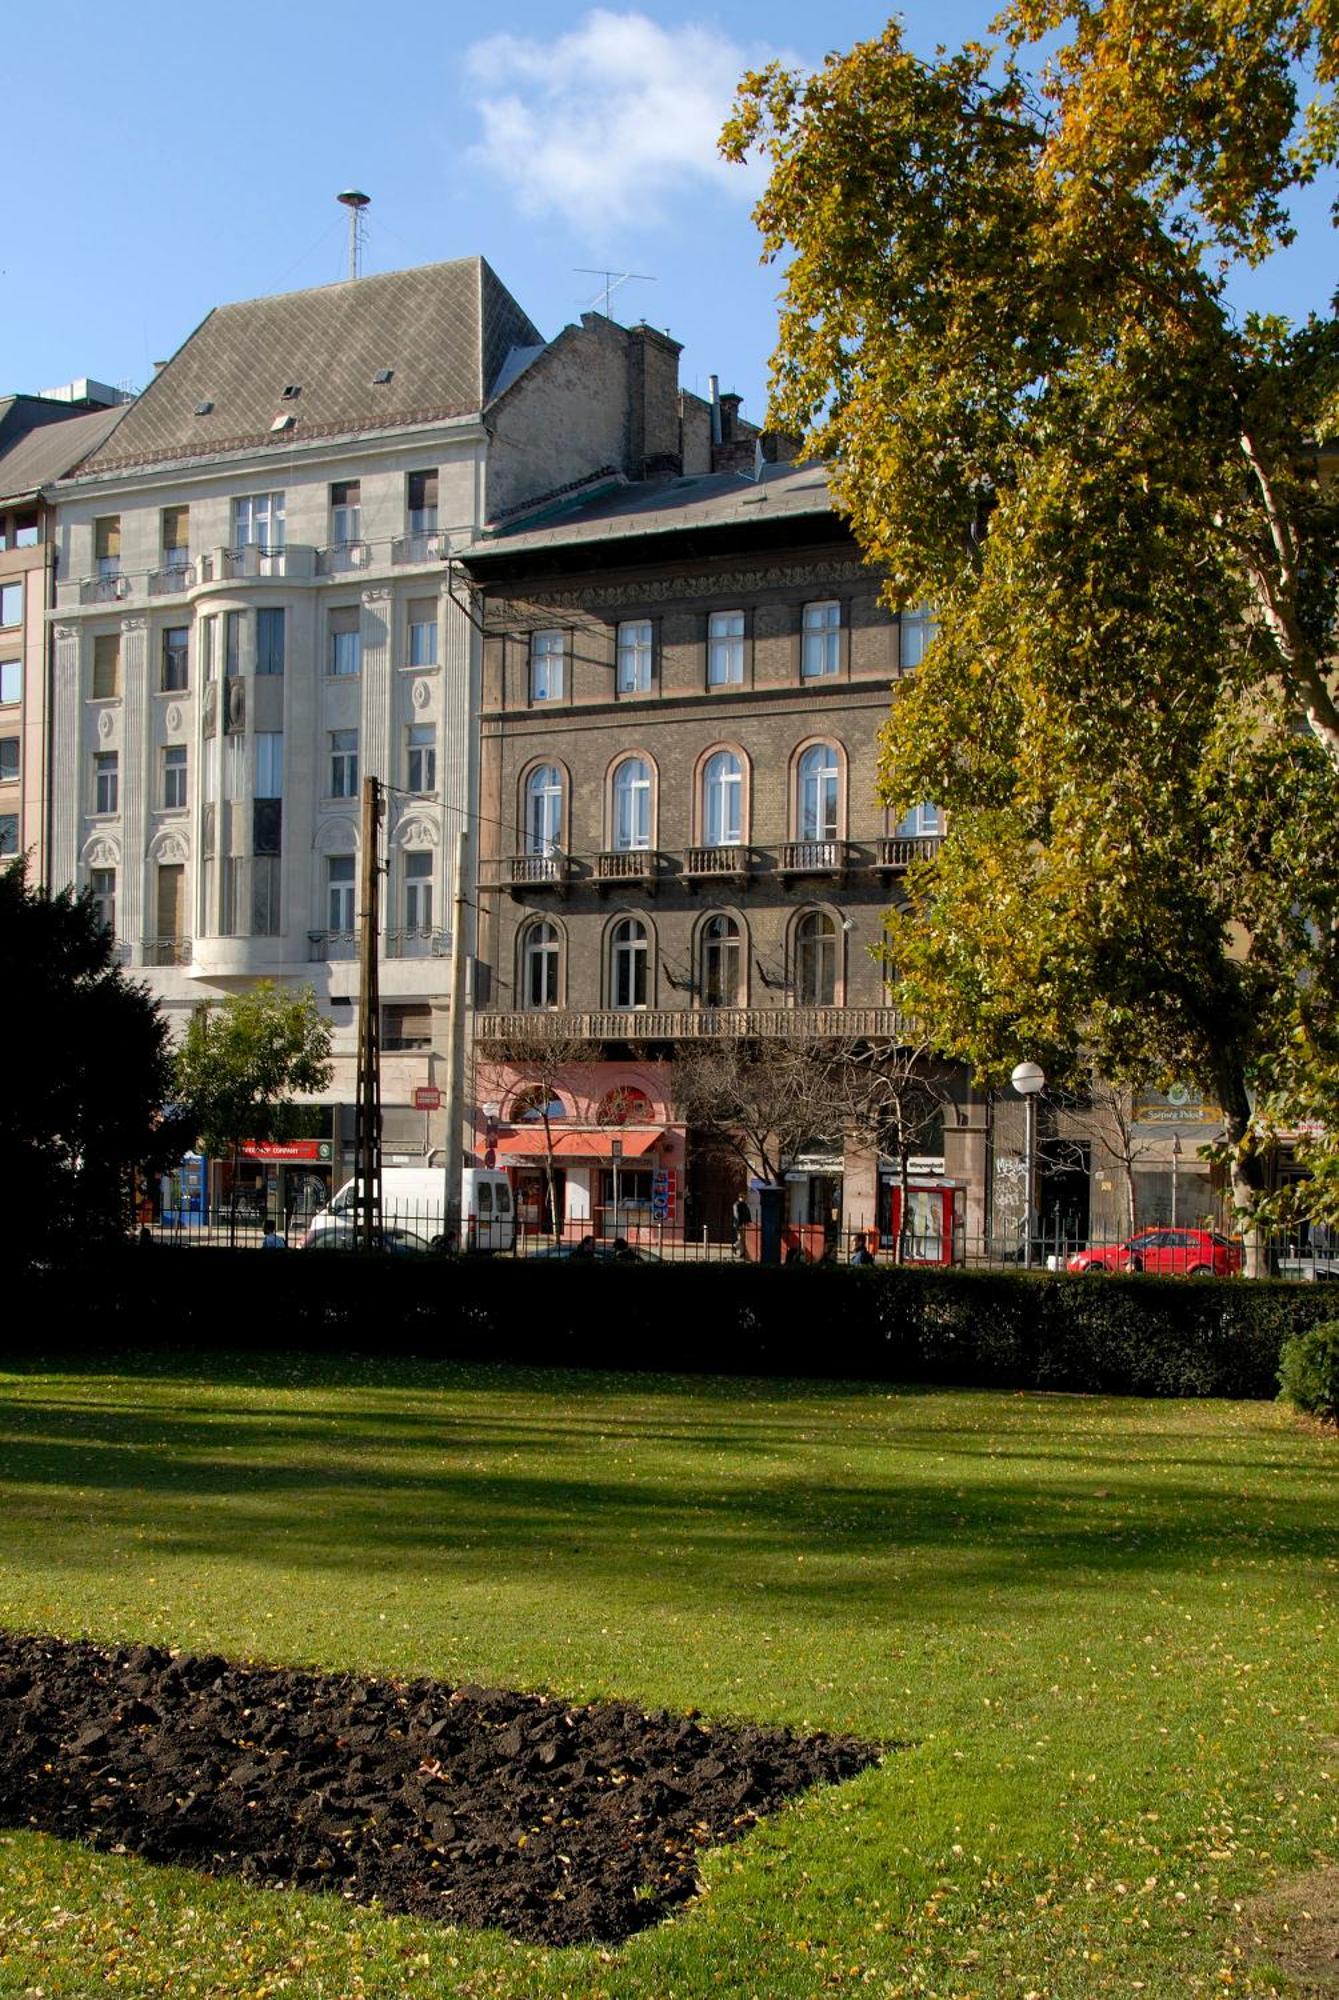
818,788
625,1105
722,800
815,960
541,964
532,1104
544,810
632,805
718,982
628,964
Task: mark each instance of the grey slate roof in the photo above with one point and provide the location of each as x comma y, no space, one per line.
53,449
445,331
666,506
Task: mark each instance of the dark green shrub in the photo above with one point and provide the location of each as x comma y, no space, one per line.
1309,1369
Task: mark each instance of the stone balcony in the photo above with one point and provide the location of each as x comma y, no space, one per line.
650,869
694,1024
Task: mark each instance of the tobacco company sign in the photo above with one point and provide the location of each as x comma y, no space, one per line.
288,1149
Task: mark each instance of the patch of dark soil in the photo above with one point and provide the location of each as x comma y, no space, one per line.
1298,1925
563,1825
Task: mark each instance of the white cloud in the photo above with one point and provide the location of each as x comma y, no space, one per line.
610,122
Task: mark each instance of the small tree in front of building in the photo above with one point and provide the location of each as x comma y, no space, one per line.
243,1062
765,1101
541,1057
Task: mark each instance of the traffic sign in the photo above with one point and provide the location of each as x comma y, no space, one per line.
427,1098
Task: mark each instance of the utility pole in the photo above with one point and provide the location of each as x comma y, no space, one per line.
453,1221
367,1127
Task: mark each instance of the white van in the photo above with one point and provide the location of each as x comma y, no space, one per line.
413,1198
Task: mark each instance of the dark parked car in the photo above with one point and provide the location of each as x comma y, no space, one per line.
596,1253
1183,1253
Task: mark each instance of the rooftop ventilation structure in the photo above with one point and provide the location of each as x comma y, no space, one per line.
203,409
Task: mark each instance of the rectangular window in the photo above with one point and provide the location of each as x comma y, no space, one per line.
406,1027
171,900
346,645
634,656
820,653
102,890
174,777
106,666
234,768
725,648
25,531
270,764
176,535
422,503
343,764
269,642
11,680
105,785
418,892
346,512
258,521
208,656
230,882
546,665
339,876
921,822
176,648
107,545
423,633
232,642
265,896
9,834
422,772
11,604
9,759
919,630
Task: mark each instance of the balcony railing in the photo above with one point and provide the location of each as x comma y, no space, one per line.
294,560
639,865
166,951
418,941
539,871
680,1024
343,556
323,945
814,857
713,862
105,589
901,850
172,579
431,545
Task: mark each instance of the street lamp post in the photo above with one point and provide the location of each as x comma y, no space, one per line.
1029,1080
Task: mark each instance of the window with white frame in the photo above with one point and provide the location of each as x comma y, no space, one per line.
818,777
174,777
720,958
722,800
423,632
632,805
343,764
544,810
635,641
725,648
920,627
339,881
418,891
345,654
547,651
421,761
106,781
346,512
269,764
541,960
11,603
921,822
102,891
821,641
258,521
628,964
176,652
11,680
815,960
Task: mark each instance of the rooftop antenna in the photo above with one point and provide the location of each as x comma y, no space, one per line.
612,281
355,202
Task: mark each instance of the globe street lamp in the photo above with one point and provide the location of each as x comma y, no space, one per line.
1029,1080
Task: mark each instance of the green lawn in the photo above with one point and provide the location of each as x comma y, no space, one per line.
1099,1631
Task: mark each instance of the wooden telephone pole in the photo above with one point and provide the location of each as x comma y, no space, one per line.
367,1124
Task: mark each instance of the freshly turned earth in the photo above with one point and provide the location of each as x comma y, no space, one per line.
469,1805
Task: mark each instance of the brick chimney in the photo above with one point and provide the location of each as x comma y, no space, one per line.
653,403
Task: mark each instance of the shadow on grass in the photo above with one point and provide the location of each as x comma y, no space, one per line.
513,1472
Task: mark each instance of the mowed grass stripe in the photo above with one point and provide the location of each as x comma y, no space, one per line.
1104,1625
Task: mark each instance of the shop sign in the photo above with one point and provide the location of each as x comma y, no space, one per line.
663,1194
1181,1105
287,1149
427,1098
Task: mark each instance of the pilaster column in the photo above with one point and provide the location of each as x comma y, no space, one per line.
67,791
136,787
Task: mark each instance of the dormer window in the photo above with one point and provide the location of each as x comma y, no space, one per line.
382,376
292,392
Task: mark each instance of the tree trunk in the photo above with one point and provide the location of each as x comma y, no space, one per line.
904,1217
551,1179
1246,1170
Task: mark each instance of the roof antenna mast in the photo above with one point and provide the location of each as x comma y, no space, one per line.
355,202
612,281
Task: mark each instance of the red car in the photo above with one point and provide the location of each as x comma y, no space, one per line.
1182,1253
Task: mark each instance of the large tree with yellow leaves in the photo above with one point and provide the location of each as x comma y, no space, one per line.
1006,322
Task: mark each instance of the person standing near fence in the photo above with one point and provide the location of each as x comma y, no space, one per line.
742,1216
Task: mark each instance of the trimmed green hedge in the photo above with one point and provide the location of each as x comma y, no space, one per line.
1135,1335
1309,1370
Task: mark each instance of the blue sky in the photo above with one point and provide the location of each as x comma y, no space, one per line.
174,160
